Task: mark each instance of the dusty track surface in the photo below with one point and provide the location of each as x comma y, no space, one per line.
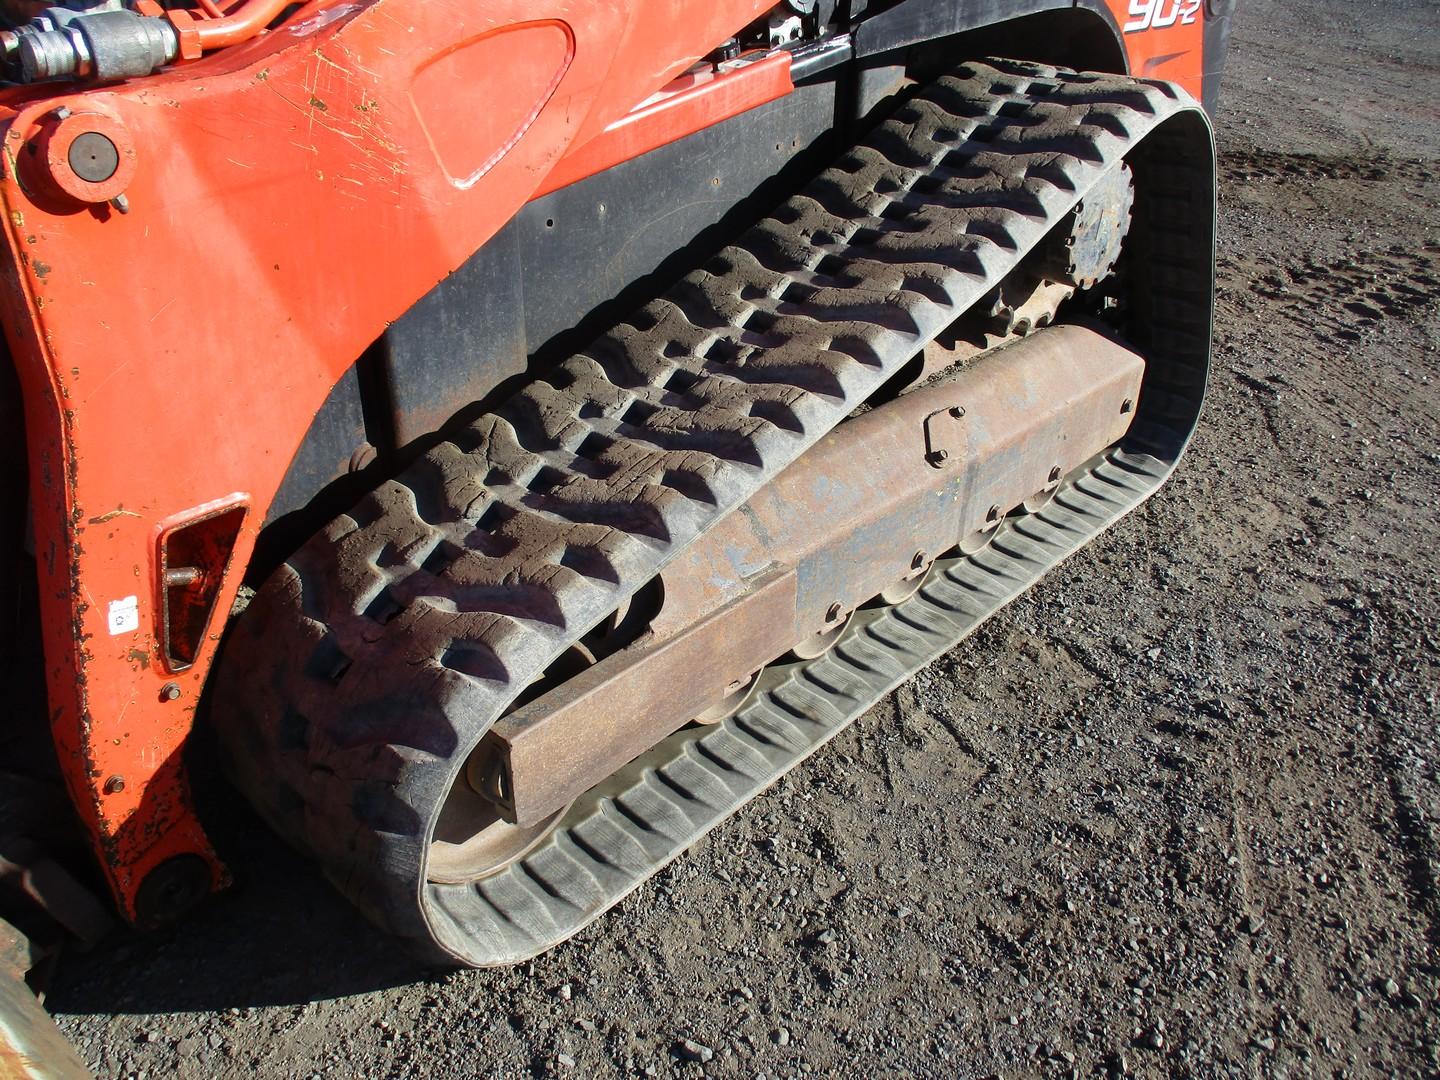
1175,813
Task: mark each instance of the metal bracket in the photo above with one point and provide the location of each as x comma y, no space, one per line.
940,443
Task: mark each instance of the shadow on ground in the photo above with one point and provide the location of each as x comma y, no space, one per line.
281,935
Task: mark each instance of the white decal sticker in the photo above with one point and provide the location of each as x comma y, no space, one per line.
1145,14
124,615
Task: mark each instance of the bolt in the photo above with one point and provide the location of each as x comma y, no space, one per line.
834,612
1127,405
180,577
937,457
170,691
114,785
957,411
121,203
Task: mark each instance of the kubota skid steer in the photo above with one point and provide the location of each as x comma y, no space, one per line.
520,432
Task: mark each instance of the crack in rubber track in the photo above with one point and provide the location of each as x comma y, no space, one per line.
368,666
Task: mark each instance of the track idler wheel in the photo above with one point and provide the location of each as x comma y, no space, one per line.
1041,499
472,841
736,695
824,639
472,838
980,539
908,585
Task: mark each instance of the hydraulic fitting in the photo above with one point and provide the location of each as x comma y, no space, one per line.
101,46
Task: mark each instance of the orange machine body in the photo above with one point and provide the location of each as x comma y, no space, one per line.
284,200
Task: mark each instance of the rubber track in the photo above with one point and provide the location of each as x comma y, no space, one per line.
368,666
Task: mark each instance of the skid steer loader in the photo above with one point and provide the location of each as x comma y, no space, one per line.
517,433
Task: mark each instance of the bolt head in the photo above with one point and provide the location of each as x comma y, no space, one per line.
170,691
114,785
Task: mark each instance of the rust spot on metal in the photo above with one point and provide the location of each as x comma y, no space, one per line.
42,269
139,656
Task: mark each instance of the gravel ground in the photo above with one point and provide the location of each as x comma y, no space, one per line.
1174,813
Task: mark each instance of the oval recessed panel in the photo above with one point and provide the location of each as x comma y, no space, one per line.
476,99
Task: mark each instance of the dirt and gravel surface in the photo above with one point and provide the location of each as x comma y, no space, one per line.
1174,813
